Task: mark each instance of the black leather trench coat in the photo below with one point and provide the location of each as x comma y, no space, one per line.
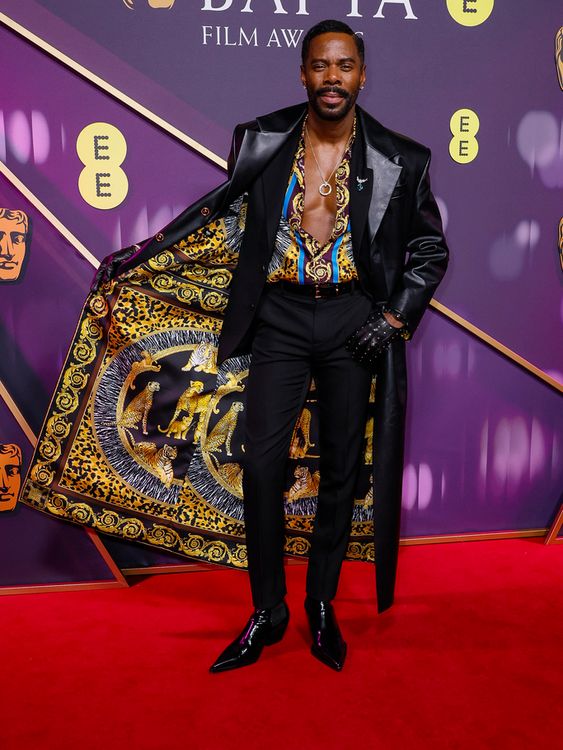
400,253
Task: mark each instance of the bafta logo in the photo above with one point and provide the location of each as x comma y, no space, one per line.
152,3
14,226
559,55
10,475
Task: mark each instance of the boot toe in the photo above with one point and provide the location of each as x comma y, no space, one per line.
328,645
264,628
233,658
333,656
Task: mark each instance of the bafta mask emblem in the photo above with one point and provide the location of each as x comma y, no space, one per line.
14,226
10,475
559,55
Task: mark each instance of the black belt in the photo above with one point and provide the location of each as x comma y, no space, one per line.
317,291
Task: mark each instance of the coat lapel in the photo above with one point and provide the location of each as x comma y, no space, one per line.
256,151
260,146
373,177
385,176
361,187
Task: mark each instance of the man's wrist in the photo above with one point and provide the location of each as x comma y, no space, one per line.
393,320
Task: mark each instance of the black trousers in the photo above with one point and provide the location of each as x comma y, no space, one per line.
297,337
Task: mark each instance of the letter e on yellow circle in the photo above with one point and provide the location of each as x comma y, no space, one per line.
470,12
102,148
464,146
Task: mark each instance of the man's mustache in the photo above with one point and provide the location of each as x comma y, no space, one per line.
332,90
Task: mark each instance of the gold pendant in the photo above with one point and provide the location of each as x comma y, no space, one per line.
325,188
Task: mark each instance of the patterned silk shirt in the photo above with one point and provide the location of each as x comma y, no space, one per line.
299,257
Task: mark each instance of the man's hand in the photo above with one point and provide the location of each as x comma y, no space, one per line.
109,267
373,337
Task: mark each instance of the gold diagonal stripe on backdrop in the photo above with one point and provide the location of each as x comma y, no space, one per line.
166,126
111,90
49,215
495,344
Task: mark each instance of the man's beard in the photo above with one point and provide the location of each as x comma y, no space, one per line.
339,112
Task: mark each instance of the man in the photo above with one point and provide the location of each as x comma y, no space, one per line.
322,289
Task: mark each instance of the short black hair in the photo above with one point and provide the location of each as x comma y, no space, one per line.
329,26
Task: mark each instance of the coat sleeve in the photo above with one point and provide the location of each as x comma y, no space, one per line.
147,248
428,256
151,246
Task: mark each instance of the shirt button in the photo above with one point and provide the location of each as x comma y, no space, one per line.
159,237
252,306
205,211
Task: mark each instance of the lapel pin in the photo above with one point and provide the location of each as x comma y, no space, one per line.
360,181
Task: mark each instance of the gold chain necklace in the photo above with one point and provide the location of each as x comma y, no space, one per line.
325,188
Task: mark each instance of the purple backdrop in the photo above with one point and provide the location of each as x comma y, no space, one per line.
503,208
484,436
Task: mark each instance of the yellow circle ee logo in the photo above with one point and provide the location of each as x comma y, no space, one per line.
470,12
101,147
464,125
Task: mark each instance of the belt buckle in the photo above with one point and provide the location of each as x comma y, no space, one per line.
317,291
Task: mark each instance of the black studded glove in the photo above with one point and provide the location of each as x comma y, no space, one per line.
109,267
372,338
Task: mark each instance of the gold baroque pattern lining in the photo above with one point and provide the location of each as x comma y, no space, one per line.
188,543
180,292
71,383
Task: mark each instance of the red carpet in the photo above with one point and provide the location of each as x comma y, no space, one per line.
471,656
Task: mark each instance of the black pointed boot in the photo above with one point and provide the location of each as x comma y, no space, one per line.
328,645
264,628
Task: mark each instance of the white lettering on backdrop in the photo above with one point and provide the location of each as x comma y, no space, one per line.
245,6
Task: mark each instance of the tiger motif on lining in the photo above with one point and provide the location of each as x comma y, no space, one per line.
202,359
230,475
159,460
305,485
